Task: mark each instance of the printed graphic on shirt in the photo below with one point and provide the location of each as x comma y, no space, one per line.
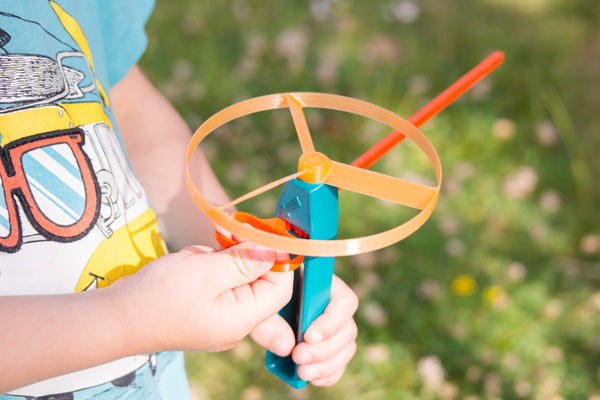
72,214
52,178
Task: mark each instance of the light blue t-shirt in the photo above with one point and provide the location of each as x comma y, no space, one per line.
114,31
73,216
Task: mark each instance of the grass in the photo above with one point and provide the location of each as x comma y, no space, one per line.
498,295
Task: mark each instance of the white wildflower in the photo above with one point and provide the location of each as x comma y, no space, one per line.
550,201
521,183
590,244
431,372
504,129
405,11
546,133
516,271
377,353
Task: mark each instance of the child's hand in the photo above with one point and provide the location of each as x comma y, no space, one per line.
201,299
329,342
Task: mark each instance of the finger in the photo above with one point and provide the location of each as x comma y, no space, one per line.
328,381
241,264
280,255
225,233
328,369
222,231
341,307
197,250
275,335
237,238
268,294
305,353
254,298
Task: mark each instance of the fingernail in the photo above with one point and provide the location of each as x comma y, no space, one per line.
313,336
309,374
281,348
262,253
303,358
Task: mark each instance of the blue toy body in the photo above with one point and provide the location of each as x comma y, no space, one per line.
314,209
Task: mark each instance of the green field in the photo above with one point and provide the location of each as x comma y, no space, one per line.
497,296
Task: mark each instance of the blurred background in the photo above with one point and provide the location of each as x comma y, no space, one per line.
498,294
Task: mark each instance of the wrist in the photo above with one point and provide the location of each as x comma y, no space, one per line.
133,317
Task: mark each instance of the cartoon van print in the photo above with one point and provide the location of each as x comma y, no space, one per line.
65,180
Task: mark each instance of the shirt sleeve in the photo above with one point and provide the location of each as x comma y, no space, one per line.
124,36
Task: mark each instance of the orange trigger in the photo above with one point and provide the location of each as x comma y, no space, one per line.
272,225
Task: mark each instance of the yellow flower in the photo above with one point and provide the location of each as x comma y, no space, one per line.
495,295
463,285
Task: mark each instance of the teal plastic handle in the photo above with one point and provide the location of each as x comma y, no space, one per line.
312,208
311,296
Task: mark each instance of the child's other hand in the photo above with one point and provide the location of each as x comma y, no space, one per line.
329,342
201,299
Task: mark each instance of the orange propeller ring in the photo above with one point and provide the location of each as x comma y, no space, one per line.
317,168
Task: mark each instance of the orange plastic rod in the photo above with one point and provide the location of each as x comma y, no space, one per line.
432,108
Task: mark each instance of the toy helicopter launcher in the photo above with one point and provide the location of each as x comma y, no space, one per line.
306,216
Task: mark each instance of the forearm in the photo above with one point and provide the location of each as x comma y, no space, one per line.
196,299
50,335
156,138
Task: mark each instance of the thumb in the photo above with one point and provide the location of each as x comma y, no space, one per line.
275,334
242,264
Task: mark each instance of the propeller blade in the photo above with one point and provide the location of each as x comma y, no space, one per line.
261,190
300,123
381,186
